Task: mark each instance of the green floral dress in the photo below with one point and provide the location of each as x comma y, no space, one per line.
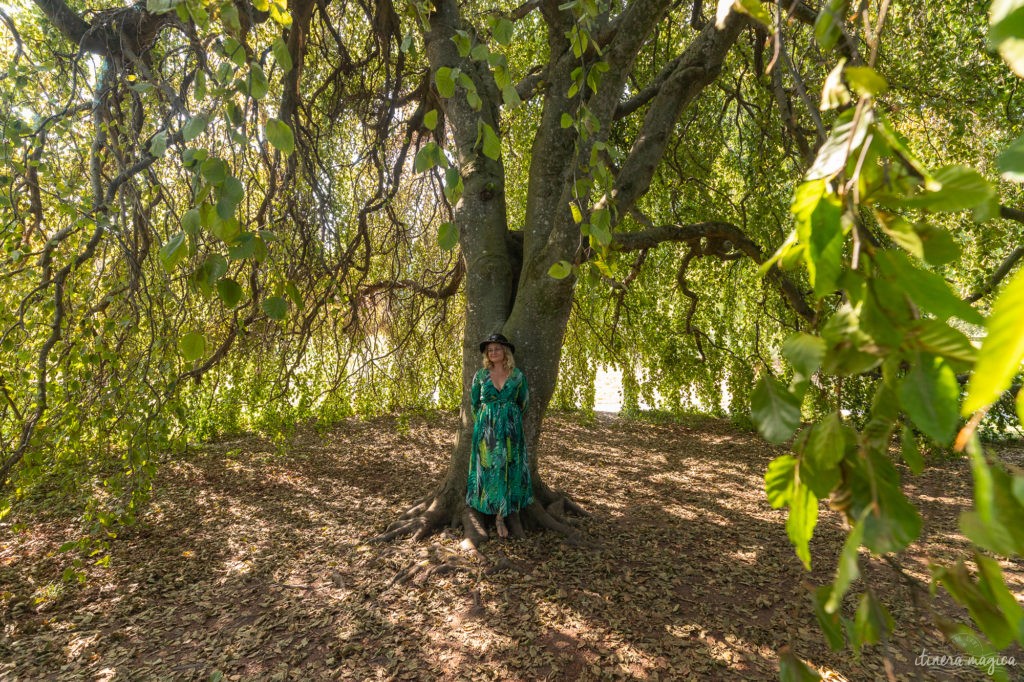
499,470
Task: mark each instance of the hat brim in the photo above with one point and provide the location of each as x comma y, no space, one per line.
484,344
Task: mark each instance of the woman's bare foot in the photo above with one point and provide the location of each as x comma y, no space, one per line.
499,521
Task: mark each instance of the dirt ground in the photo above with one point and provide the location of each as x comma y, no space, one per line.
253,565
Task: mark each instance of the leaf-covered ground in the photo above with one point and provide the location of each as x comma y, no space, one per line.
252,564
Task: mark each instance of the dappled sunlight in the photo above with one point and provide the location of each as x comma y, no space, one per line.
254,563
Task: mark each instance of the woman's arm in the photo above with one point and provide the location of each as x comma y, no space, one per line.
475,394
523,394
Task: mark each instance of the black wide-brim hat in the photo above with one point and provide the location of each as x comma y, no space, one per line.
496,338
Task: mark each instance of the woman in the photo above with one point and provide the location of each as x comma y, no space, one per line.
499,471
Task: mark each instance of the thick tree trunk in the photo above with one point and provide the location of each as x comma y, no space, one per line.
533,311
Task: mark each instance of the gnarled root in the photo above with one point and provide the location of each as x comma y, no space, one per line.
551,510
559,504
426,517
539,515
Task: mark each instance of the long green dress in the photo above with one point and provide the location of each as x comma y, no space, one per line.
499,470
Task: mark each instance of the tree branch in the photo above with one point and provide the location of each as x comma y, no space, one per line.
699,66
722,239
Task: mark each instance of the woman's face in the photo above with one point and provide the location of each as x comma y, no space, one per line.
496,353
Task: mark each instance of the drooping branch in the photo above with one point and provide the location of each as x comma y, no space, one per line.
450,288
720,239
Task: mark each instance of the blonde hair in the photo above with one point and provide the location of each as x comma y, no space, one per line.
510,361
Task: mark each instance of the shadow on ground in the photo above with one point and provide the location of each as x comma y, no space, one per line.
251,565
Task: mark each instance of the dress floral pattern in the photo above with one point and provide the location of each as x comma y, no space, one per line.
499,470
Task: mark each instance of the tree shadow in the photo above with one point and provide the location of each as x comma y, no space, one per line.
251,564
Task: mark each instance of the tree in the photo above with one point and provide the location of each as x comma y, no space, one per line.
592,161
213,205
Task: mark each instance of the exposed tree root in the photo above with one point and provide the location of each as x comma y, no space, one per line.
433,512
539,515
547,497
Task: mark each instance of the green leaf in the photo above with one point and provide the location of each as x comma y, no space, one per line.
243,247
426,158
293,293
909,450
281,54
214,170
430,119
824,237
447,236
848,568
577,214
990,581
927,289
865,81
938,338
158,145
1007,32
825,448
213,268
791,668
256,85
452,184
847,136
831,623
953,188
567,120
233,190
173,251
1002,349
491,146
930,396
872,622
275,307
884,411
779,480
755,10
225,230
502,31
1020,411
829,23
226,208
805,352
444,78
234,51
510,96
229,291
601,227
560,270
995,521
774,410
280,14
191,222
890,521
803,517
939,245
192,346
982,607
480,52
280,135
194,128
834,93
1011,161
